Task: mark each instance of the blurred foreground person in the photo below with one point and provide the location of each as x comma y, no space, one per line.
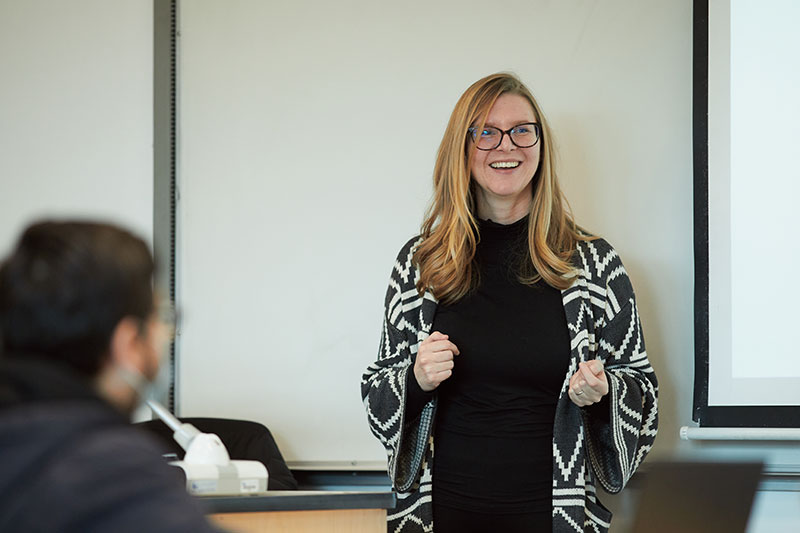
81,337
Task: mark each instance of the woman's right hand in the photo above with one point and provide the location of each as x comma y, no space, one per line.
434,362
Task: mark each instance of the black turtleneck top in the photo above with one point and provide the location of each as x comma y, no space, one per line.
493,432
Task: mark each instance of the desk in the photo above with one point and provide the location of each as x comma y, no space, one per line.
302,511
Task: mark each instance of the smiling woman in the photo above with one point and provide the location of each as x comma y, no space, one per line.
511,339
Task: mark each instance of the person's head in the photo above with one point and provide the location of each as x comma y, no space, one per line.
466,182
461,174
80,294
504,156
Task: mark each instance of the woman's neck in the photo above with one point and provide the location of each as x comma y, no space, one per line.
503,210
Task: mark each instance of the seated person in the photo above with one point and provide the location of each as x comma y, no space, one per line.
78,329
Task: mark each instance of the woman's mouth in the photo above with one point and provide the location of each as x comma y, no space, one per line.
504,164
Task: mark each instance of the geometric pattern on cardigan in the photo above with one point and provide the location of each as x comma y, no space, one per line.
589,447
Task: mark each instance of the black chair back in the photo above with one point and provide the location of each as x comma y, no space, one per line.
244,440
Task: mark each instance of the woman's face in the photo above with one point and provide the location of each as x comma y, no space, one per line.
504,174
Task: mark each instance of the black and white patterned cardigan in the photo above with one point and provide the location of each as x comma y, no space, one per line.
603,323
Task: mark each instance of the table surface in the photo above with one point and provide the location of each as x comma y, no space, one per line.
297,500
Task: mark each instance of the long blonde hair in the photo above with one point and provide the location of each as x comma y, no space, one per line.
450,230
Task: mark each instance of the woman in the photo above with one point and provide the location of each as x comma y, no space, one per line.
512,375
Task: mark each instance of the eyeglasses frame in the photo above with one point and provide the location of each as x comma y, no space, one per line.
538,127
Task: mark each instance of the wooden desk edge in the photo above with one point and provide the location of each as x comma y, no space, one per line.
299,501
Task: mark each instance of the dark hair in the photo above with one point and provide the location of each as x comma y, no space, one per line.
66,286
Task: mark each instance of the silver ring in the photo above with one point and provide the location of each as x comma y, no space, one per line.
579,393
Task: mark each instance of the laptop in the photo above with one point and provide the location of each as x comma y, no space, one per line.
688,497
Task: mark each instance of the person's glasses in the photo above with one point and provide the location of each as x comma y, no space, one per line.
522,135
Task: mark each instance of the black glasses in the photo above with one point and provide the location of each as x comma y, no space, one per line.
522,135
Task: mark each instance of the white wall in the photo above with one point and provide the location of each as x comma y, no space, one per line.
76,122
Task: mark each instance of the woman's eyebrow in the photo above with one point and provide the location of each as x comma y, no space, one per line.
514,123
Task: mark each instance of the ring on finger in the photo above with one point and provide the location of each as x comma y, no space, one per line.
579,393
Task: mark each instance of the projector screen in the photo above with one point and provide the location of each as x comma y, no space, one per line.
753,184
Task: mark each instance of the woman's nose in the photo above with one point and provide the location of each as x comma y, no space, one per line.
505,143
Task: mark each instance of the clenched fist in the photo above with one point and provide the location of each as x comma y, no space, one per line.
434,362
589,384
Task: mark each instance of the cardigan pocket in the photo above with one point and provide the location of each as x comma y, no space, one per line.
598,517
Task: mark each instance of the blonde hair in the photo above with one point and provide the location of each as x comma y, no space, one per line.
450,230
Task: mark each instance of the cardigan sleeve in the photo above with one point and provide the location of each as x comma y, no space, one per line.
384,385
619,438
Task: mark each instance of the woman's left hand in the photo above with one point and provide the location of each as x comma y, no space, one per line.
589,384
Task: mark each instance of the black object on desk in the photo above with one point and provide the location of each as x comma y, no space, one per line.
697,497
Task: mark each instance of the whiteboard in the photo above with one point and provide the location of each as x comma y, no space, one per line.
308,132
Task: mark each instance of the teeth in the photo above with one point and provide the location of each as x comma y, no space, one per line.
505,164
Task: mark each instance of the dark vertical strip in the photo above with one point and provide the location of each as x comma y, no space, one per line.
700,141
164,158
173,188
